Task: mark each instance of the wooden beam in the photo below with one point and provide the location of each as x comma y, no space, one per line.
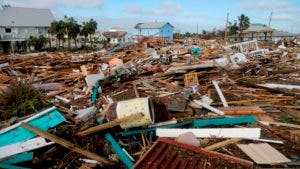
215,83
217,111
222,144
280,124
110,124
66,144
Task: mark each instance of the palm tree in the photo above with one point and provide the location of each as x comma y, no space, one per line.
53,31
85,31
244,22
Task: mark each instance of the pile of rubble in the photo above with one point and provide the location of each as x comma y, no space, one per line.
154,104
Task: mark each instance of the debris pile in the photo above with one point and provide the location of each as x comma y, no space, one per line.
153,104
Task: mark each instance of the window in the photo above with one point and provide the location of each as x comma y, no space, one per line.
40,31
7,30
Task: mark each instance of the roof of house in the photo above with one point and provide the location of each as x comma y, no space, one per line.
151,25
275,33
25,17
282,33
114,34
258,28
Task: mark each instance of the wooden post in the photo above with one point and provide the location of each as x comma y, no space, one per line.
66,144
109,124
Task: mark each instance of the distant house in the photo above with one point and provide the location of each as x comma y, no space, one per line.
156,29
278,35
99,36
262,32
255,31
18,24
115,36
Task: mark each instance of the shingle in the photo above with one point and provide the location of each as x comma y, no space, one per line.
18,16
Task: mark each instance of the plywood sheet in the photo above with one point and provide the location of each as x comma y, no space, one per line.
263,153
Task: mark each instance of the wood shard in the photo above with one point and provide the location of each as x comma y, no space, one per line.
263,153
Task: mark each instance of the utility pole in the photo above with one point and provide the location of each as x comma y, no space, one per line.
270,19
197,30
226,27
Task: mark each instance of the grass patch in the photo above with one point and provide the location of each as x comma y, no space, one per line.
19,99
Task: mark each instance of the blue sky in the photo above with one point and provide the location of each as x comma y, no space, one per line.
183,14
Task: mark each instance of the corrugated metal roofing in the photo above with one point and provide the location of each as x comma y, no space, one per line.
25,17
151,25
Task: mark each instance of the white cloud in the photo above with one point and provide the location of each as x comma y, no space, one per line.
167,8
266,5
134,9
282,17
53,3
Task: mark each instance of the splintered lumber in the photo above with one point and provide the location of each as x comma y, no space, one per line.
247,133
253,85
21,147
203,65
280,124
219,112
136,92
263,153
222,144
110,124
149,86
66,144
224,102
242,110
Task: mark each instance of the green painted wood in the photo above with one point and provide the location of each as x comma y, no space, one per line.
224,121
117,149
44,122
8,166
27,156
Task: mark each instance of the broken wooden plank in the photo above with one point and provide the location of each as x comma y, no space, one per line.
110,124
253,85
247,133
119,151
222,144
44,120
19,158
220,93
21,147
203,65
9,166
149,86
242,110
66,144
263,153
280,124
219,112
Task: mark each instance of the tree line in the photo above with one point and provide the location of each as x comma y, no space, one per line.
242,23
66,29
